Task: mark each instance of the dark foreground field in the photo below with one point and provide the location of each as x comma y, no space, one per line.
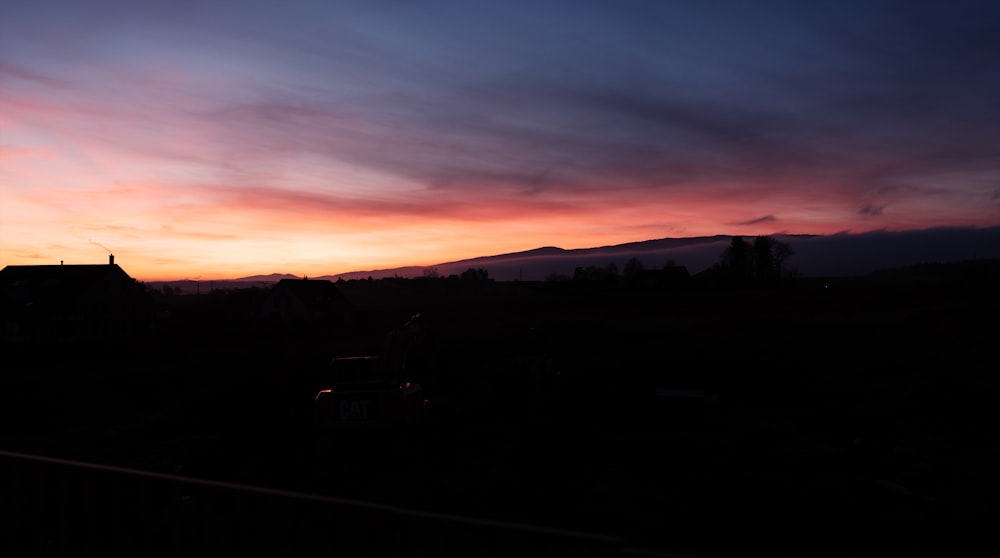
696,420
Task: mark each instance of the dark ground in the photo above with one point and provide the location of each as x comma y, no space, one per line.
831,409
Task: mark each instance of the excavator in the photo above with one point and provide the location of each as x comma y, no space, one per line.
379,392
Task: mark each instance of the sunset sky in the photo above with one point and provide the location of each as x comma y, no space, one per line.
219,139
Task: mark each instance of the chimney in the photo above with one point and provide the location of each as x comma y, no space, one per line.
111,259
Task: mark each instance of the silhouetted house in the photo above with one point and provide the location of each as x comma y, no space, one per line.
60,304
305,302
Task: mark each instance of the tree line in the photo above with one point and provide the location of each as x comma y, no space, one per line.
764,260
760,261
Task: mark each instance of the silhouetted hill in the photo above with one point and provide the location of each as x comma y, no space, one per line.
837,255
847,254
272,278
540,263
404,272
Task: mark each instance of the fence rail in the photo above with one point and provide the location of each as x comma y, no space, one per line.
59,507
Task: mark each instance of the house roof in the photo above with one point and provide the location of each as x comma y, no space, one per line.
314,293
40,286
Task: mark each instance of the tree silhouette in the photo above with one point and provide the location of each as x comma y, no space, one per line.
633,269
763,259
472,279
770,255
760,262
475,275
780,252
593,273
736,259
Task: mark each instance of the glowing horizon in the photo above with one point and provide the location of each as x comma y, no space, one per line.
227,139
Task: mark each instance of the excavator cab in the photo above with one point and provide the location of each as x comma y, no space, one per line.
373,392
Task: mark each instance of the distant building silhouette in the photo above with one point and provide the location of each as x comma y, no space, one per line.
305,302
60,304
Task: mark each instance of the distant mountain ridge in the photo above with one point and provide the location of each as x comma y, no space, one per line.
642,245
272,278
842,254
539,263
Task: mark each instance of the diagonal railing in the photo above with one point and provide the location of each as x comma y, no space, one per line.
60,507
